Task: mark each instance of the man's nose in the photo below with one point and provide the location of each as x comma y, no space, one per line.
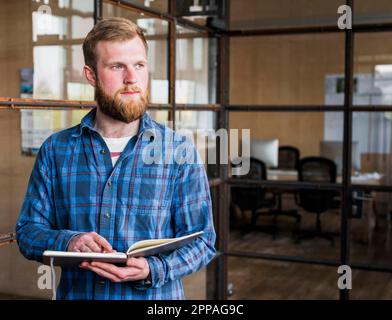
130,76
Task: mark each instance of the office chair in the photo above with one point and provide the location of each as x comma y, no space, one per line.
320,170
253,198
288,160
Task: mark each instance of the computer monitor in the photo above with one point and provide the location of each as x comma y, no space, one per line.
266,150
334,150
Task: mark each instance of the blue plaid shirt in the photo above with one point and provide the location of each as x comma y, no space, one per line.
74,188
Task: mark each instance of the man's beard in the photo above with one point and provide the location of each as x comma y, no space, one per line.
126,111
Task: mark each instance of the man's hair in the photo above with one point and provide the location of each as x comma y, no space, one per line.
112,29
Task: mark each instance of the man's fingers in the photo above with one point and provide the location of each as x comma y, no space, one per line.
84,248
136,263
119,272
106,266
113,272
89,242
94,246
103,273
102,242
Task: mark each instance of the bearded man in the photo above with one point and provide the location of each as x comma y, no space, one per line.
91,191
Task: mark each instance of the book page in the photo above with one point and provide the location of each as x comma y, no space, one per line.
149,243
155,243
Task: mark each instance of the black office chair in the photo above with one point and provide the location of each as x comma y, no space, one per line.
253,198
288,160
320,170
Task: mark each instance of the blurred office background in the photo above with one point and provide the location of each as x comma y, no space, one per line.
317,101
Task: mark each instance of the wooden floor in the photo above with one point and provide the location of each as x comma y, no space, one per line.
265,279
262,280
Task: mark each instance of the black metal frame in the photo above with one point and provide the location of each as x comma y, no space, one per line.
217,271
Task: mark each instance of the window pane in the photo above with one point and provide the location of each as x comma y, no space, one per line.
371,229
201,12
160,116
373,148
272,220
160,5
291,129
195,68
64,79
155,31
199,126
288,228
373,69
52,35
61,19
376,11
255,14
195,120
287,70
57,68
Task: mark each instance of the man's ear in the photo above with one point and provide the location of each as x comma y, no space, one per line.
90,75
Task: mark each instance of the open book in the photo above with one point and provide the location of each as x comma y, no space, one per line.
139,249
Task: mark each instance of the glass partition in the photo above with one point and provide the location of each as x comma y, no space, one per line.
267,14
57,49
372,11
373,69
158,5
371,228
287,70
196,60
200,127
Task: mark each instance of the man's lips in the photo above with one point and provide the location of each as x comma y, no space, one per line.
130,92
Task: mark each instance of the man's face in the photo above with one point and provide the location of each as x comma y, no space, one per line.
122,79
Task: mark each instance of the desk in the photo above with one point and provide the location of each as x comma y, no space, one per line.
282,175
369,208
292,175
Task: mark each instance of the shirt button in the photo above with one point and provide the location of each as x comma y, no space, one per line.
103,151
109,183
107,215
102,282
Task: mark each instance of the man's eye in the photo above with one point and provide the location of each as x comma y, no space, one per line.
139,66
117,67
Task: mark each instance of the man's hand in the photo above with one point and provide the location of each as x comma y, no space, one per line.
135,269
89,242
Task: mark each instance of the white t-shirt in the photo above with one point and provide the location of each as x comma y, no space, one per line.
116,146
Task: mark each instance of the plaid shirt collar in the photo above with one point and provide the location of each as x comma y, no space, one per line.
89,119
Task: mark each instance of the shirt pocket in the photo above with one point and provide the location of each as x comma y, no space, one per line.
152,187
